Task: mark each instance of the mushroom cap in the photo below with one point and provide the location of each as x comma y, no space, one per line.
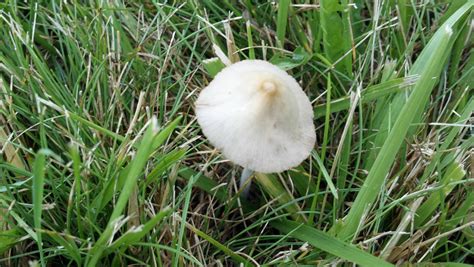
257,116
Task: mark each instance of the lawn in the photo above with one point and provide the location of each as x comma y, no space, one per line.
103,161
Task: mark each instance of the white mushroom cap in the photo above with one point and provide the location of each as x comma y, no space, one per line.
257,116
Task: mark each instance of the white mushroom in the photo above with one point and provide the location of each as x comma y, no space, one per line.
257,116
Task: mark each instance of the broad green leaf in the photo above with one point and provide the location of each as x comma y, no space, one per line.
213,66
336,41
299,57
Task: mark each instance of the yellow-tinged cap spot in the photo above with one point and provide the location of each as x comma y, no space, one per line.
269,87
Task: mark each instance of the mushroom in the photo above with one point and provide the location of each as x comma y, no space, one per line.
257,116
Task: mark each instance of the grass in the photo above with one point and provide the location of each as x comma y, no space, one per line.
103,163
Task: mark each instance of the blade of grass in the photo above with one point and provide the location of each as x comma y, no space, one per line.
68,243
219,246
422,62
133,173
76,164
213,66
319,161
108,193
38,188
454,172
8,239
78,118
325,174
217,191
11,155
159,247
335,40
453,133
323,241
282,20
380,168
206,184
302,181
21,223
165,162
461,212
275,189
183,218
134,235
371,93
250,41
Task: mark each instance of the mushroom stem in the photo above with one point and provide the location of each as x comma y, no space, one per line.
244,183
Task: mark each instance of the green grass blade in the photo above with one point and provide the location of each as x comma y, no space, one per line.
165,133
107,195
380,168
134,235
133,173
454,172
96,127
84,82
325,174
8,238
422,62
298,58
68,243
282,21
76,163
330,244
205,183
219,246
184,216
453,133
371,93
461,213
250,41
213,66
38,188
275,189
165,162
336,41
